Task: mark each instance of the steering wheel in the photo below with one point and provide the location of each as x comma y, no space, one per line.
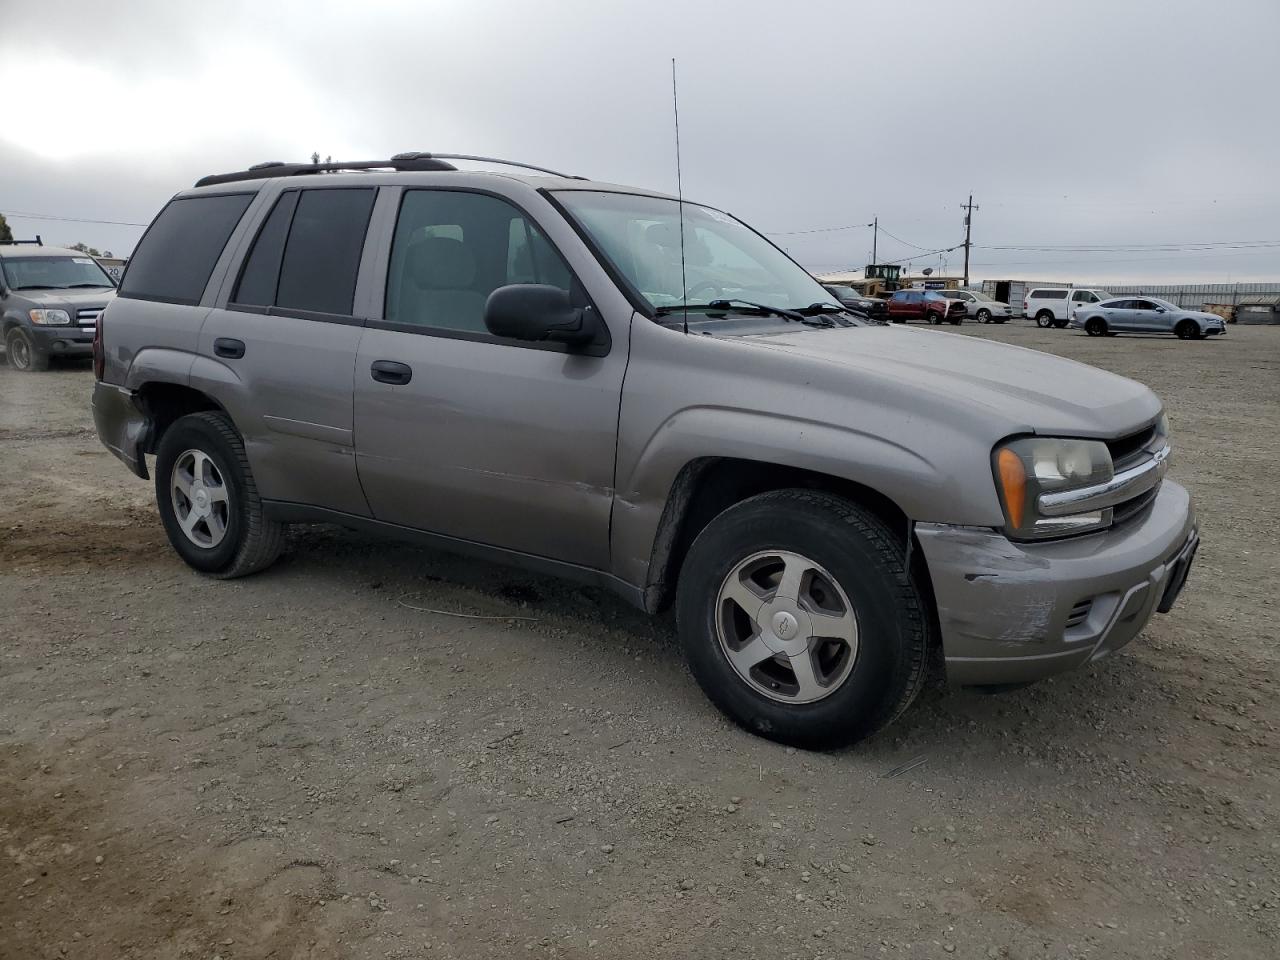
716,290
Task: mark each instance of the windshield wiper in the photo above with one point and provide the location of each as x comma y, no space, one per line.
37,286
761,309
76,286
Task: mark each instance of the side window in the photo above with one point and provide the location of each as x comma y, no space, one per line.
451,249
257,284
322,254
1143,305
177,254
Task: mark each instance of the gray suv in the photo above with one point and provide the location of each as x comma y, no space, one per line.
609,385
50,299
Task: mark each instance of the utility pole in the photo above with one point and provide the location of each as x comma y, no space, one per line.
968,226
875,233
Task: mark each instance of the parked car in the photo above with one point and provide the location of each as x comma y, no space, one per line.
515,367
50,299
927,305
873,307
978,306
1147,315
1053,306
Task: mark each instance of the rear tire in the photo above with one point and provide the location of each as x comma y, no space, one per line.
1044,319
1187,330
846,572
984,315
1060,324
1095,327
208,499
22,354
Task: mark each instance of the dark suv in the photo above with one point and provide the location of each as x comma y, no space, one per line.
924,305
51,299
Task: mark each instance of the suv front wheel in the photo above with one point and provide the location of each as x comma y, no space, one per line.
800,620
208,500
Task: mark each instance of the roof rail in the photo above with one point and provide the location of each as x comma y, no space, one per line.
505,163
275,168
401,162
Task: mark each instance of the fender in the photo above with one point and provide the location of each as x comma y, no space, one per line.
903,475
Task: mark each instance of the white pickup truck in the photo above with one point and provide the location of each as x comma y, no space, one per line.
1054,306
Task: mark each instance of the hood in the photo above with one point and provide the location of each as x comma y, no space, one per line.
1030,391
72,298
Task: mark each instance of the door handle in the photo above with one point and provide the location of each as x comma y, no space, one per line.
391,371
228,347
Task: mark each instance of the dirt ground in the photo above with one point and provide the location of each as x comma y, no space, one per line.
298,765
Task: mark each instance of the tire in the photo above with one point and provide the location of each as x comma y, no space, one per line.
1000,320
1187,330
234,538
984,315
1060,324
22,354
1045,319
854,563
1095,327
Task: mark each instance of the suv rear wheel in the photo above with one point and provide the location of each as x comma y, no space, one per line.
1044,319
22,353
208,500
800,620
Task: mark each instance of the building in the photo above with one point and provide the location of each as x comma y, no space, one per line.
1264,308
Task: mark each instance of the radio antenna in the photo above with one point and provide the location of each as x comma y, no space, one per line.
684,283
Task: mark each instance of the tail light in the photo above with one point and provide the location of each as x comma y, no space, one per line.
99,353
1024,306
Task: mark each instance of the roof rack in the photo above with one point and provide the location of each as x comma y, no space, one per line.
400,162
37,242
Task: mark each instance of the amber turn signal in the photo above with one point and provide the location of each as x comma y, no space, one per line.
1013,482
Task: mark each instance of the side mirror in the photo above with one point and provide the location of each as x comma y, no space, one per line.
1160,310
536,312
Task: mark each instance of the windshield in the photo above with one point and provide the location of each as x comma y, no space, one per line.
1164,303
724,259
54,273
848,293
979,295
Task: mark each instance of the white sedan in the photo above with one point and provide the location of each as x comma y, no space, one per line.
1146,315
978,306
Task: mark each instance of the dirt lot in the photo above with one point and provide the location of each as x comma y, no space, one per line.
297,765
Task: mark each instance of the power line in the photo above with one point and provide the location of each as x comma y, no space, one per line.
796,233
49,216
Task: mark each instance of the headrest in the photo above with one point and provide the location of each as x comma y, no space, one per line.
441,263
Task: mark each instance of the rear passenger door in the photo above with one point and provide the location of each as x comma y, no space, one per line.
458,432
279,348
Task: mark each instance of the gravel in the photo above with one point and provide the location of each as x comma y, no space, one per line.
246,760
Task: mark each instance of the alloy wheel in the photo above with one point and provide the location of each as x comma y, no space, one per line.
201,498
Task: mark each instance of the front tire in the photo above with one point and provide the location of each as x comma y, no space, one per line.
208,499
22,354
1095,327
800,621
984,316
1187,330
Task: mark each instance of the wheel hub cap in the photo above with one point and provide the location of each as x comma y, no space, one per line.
786,627
201,499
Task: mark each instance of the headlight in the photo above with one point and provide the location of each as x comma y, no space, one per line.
51,318
1026,468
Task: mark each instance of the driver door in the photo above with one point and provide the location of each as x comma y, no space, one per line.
462,433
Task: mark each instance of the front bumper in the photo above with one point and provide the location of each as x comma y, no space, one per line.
62,340
122,425
1015,612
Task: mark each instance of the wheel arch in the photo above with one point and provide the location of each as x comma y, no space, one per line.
707,486
164,402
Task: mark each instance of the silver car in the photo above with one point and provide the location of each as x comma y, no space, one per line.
646,397
1146,315
978,306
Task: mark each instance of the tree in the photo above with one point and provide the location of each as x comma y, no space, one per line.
6,235
91,251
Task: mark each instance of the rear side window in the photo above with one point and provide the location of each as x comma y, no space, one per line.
322,254
257,284
177,254
1048,295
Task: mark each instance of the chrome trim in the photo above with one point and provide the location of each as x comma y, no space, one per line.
1123,486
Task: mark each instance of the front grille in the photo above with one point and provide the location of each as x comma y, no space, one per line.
1079,613
1131,508
88,316
1131,450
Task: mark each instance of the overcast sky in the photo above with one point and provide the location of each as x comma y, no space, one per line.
1146,128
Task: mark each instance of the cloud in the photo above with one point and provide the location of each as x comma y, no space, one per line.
1077,123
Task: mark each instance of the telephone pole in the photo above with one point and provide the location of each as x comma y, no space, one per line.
968,226
875,234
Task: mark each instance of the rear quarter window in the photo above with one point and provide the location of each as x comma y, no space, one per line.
176,255
1048,295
